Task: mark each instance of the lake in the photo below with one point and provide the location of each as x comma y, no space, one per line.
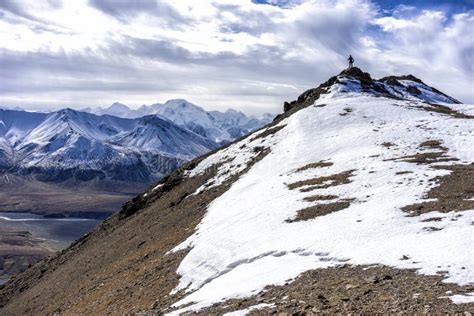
59,232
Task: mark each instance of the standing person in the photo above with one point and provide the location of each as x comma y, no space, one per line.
351,61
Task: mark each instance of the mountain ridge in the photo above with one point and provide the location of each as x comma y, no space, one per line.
390,86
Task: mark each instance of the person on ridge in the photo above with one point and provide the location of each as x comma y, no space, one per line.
351,61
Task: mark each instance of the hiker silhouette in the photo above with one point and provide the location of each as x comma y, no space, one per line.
351,61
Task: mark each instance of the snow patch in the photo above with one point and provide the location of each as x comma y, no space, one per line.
462,299
157,187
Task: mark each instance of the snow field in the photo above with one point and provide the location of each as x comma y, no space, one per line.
245,243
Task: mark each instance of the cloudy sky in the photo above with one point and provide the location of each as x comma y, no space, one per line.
249,55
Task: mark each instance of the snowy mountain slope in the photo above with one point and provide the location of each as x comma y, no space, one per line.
368,141
219,126
412,88
121,110
183,112
67,140
15,125
192,117
355,200
116,109
237,124
5,153
154,133
72,144
69,121
215,125
229,118
266,118
408,88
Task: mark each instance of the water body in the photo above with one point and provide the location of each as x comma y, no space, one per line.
59,232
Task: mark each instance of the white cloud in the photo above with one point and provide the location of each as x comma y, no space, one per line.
434,47
226,53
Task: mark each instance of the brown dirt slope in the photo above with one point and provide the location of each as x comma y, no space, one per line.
18,250
453,192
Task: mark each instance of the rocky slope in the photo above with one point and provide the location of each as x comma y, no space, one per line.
357,199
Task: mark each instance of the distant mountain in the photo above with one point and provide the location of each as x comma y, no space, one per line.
116,109
153,133
73,145
16,108
220,127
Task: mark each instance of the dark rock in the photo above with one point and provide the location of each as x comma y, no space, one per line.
413,90
394,80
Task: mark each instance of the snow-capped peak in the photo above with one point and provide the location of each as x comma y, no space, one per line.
182,103
119,106
117,109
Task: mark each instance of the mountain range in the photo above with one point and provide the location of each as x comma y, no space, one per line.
220,127
116,143
357,198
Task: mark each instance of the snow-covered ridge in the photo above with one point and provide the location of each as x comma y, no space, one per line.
249,237
354,80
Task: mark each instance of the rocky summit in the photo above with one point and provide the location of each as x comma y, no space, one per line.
357,198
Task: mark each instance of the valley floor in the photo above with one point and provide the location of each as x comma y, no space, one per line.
23,194
37,218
